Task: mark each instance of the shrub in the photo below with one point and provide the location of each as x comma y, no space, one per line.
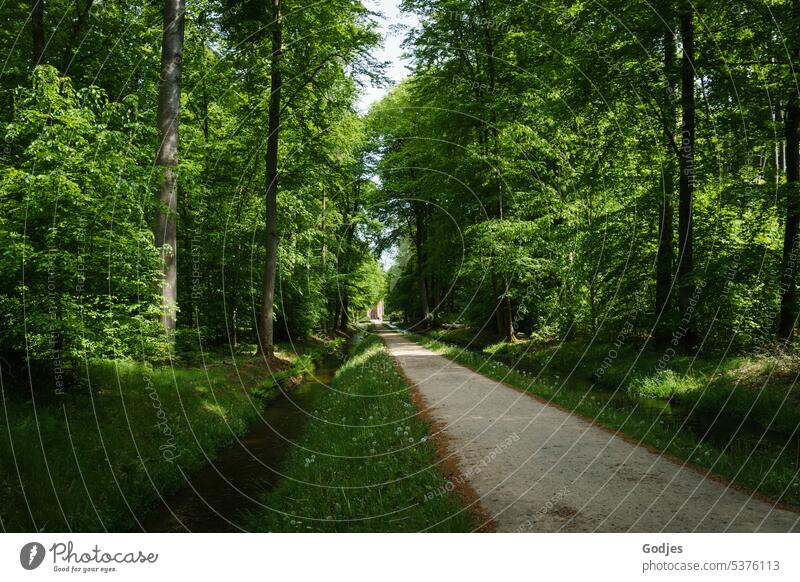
79,274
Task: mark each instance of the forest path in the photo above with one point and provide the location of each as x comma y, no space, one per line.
538,468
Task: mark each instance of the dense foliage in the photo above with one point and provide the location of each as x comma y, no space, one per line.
552,170
532,168
78,268
80,271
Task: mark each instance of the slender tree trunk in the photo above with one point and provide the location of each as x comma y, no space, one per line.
776,119
791,158
265,335
665,258
665,249
492,138
323,227
509,318
422,267
37,28
788,286
686,204
435,296
169,100
324,255
206,129
336,312
499,318
234,297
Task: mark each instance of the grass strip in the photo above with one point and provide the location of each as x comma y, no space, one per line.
366,462
92,459
772,471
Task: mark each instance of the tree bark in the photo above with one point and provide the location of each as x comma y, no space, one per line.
509,318
265,335
791,159
169,100
336,313
499,317
421,266
788,287
37,28
686,183
665,257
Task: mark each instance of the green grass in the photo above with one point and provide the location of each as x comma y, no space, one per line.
91,459
366,463
759,391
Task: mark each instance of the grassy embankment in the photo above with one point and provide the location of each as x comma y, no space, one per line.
91,459
366,463
738,417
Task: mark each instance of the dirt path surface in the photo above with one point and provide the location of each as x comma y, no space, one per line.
537,468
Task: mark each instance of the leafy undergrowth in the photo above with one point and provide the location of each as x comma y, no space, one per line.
738,398
366,463
92,459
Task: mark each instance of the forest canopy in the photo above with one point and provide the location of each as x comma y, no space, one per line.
136,164
551,170
559,169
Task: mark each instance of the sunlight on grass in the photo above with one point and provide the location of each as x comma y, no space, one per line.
113,452
751,395
365,463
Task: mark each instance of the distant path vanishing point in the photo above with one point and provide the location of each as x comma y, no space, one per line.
537,468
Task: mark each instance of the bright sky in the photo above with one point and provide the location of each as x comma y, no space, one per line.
391,51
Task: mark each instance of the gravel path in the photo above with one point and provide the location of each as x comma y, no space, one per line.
537,468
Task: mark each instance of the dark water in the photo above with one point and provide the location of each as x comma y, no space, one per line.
217,498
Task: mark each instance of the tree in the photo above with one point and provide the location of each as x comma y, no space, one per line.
665,253
169,102
265,331
79,270
687,177
37,29
787,317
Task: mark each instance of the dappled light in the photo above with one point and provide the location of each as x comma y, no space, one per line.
377,266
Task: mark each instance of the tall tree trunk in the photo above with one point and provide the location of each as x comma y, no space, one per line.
265,331
37,28
509,318
499,318
169,100
791,158
687,177
323,255
434,286
492,146
336,312
421,267
788,285
665,257
777,118
347,262
234,297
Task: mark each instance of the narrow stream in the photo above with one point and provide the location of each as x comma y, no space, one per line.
219,495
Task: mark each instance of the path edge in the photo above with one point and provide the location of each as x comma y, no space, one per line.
482,521
667,456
